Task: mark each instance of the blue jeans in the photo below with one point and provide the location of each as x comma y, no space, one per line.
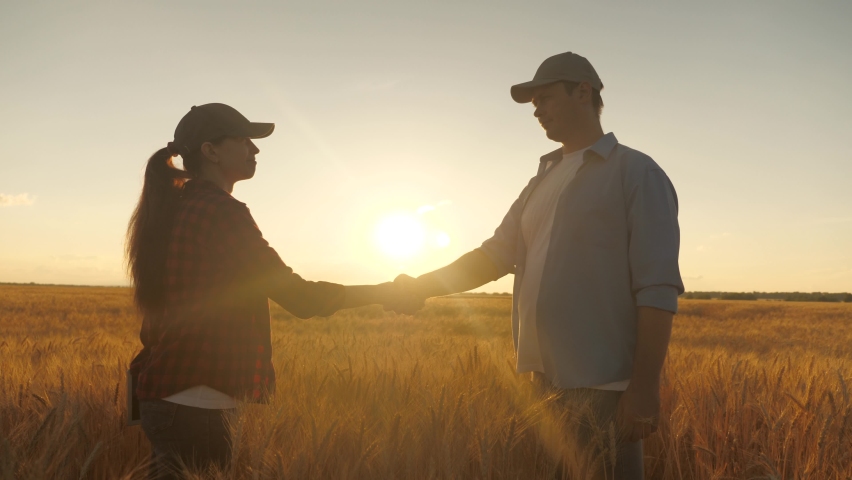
588,417
184,436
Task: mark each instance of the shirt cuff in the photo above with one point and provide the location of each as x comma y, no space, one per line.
663,297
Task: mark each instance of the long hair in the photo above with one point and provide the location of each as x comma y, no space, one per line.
150,227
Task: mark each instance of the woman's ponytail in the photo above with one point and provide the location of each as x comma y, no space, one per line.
149,229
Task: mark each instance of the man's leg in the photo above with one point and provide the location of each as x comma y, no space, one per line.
594,428
184,436
589,424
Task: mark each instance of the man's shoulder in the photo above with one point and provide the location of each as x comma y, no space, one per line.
637,168
633,160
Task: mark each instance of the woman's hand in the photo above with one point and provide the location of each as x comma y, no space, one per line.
406,297
392,295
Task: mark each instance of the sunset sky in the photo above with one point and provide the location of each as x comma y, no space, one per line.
396,117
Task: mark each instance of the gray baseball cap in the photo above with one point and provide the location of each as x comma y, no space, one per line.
564,67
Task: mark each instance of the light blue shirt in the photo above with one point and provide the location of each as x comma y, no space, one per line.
613,247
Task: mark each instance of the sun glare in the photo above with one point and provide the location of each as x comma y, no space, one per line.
400,236
442,239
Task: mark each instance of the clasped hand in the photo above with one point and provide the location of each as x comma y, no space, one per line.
404,296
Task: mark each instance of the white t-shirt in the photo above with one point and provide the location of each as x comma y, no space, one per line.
202,396
536,226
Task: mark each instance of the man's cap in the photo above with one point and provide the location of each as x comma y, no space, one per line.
564,67
204,123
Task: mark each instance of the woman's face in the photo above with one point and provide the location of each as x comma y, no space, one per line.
235,158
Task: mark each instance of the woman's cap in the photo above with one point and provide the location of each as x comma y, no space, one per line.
204,123
564,67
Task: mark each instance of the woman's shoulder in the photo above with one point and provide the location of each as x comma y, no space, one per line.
204,201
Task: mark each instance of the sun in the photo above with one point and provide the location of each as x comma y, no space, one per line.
400,236
442,240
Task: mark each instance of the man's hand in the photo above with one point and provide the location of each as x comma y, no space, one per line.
638,413
406,298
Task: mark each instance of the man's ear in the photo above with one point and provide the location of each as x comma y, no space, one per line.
584,91
209,152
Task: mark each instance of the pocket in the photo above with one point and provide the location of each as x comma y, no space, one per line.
157,415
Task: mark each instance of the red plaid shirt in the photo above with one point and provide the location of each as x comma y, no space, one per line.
214,329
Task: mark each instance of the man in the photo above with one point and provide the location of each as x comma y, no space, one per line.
593,242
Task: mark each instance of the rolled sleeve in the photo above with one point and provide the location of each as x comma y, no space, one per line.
654,240
663,297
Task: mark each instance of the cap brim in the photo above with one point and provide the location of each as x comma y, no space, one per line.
259,130
523,92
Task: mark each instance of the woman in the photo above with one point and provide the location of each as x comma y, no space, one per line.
202,274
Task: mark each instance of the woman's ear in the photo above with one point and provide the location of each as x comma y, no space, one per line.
209,152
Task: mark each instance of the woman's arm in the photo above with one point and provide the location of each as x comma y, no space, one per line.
360,295
306,299
258,268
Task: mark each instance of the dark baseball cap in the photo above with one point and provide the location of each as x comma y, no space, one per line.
564,67
204,123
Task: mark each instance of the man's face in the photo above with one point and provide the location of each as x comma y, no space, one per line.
559,112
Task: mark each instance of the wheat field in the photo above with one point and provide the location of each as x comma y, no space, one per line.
750,390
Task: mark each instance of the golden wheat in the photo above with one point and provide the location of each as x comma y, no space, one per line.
750,390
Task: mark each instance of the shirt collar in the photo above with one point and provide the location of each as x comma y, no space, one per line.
602,148
199,184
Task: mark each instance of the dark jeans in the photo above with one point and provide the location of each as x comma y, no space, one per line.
588,418
184,436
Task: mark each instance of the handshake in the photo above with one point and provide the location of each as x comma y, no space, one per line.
404,295
407,295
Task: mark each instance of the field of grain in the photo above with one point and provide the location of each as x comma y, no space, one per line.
751,390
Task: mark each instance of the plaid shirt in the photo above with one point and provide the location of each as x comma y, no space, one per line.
214,329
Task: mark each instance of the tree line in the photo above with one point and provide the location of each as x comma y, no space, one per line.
781,296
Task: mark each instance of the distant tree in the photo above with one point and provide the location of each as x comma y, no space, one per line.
848,298
826,298
738,296
697,296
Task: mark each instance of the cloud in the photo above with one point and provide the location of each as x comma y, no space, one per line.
429,208
15,200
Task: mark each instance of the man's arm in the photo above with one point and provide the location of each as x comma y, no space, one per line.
494,259
639,407
656,283
653,331
471,270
